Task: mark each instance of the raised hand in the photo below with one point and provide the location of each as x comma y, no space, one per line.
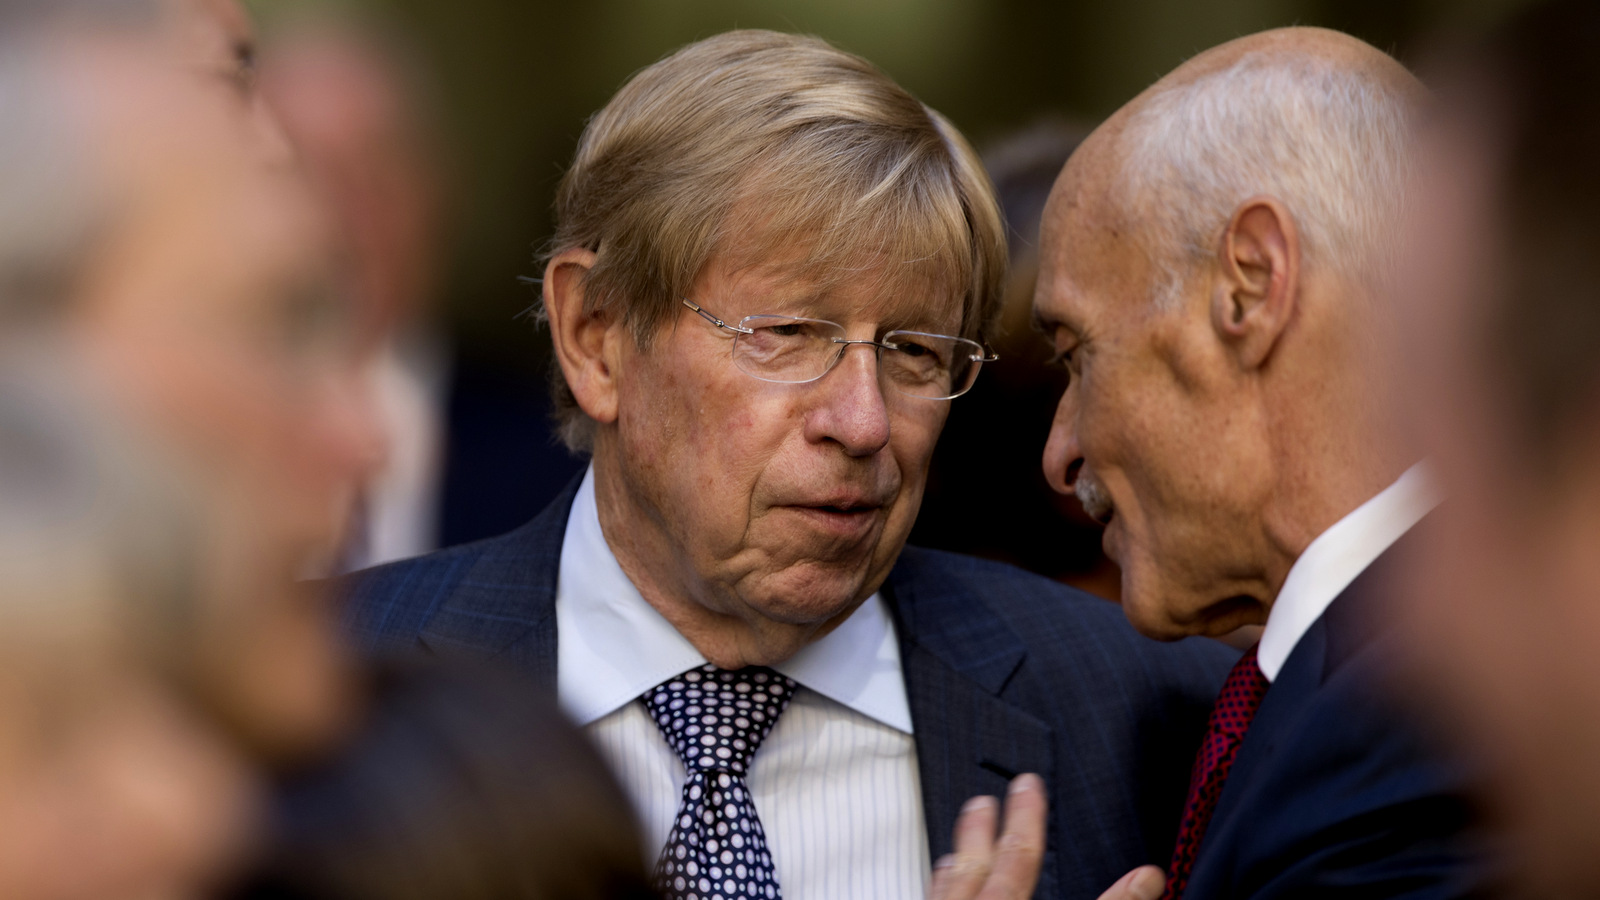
986,867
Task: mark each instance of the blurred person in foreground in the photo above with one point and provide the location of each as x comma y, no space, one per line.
1503,303
212,40
1214,259
774,270
154,242
157,254
216,40
112,783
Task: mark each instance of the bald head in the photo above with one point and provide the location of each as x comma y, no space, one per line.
1209,259
1313,117
1334,48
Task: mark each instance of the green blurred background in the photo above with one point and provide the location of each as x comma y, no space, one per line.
516,80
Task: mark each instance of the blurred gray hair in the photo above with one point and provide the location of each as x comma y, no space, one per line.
101,547
20,15
1325,139
49,215
51,207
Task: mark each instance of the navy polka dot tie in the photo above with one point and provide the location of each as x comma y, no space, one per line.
715,720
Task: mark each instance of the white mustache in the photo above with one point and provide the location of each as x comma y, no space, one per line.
1093,495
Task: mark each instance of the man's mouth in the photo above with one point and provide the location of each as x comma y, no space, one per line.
845,516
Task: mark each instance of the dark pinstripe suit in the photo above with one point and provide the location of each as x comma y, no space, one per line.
1006,673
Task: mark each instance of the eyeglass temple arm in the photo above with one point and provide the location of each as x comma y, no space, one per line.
713,319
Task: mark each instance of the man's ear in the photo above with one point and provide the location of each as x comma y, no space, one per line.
1260,279
586,341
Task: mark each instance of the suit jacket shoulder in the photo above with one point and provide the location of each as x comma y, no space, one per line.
488,599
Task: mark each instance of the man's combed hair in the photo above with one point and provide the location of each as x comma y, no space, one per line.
1328,140
789,140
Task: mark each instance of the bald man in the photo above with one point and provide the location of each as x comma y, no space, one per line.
1210,273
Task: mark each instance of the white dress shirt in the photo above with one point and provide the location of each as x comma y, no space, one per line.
835,784
1336,558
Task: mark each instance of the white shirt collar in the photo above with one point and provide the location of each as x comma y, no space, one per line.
612,645
1337,557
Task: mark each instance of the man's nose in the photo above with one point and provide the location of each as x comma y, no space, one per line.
1062,455
850,408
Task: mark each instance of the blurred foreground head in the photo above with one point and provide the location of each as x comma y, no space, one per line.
111,783
152,242
1504,316
1209,266
212,40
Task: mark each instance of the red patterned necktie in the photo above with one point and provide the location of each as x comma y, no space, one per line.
1230,719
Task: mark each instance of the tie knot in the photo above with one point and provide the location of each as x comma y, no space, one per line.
715,719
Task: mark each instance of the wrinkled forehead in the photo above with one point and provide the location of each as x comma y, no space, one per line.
796,267
1092,249
868,288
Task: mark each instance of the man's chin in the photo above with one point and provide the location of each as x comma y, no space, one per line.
1154,615
1153,624
1147,601
809,593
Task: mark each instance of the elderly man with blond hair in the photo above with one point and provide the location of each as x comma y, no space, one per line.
774,271
1213,259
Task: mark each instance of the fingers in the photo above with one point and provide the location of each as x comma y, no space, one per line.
985,868
1020,850
960,875
1143,883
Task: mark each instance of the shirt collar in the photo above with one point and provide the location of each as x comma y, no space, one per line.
1337,557
612,645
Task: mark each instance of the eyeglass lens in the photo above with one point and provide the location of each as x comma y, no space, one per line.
791,350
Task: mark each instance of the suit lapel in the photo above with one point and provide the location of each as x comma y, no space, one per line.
1350,624
957,657
503,605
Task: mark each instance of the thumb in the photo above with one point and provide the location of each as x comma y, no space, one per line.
1143,883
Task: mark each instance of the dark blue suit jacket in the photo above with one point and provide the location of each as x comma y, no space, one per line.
1335,791
1006,673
